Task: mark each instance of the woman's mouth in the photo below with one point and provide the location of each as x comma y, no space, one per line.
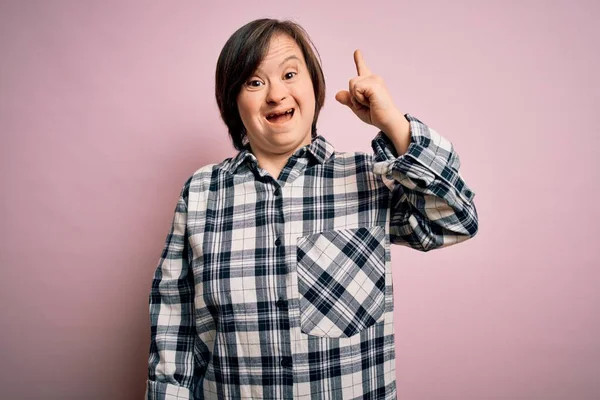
281,117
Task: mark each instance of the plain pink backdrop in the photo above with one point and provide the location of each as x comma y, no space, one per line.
107,107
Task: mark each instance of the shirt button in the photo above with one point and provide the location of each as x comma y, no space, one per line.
277,192
280,303
286,362
277,242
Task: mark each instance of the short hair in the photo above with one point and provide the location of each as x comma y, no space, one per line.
241,56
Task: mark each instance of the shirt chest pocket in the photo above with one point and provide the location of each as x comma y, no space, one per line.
341,281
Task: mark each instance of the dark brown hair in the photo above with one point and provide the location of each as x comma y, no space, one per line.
241,56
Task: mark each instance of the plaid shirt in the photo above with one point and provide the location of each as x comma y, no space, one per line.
282,288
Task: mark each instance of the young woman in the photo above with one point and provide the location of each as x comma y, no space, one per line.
275,280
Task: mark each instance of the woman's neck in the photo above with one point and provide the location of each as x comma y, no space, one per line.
273,163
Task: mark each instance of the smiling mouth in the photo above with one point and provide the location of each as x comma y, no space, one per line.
278,118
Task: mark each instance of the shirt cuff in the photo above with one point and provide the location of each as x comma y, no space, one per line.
427,149
166,391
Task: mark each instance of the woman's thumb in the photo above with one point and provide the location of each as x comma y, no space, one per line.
343,96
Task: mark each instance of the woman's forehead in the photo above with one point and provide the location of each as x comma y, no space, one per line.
282,48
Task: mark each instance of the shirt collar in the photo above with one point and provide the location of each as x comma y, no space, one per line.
319,149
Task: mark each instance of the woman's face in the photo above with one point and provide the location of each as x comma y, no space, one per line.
277,102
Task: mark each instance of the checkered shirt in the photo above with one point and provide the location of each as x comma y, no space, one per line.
282,289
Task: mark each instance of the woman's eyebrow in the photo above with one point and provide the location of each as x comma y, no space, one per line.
288,59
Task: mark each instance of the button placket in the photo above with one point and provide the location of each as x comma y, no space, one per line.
286,362
281,303
282,275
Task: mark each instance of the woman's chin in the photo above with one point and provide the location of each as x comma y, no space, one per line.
285,142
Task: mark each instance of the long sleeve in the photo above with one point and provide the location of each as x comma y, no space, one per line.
171,360
431,205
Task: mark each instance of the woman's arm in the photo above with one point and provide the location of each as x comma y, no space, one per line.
171,361
431,205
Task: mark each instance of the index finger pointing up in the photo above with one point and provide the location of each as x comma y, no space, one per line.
361,67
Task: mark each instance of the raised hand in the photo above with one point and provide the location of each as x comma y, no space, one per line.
368,98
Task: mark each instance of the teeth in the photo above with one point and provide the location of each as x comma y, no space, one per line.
285,113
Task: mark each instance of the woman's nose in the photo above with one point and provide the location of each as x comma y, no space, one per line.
276,93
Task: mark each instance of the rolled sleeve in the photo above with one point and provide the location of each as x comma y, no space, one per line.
432,206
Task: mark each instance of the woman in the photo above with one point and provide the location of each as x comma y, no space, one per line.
275,279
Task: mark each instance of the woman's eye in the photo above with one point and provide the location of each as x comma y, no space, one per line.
254,83
290,75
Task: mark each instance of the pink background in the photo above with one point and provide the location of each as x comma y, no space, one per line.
107,107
